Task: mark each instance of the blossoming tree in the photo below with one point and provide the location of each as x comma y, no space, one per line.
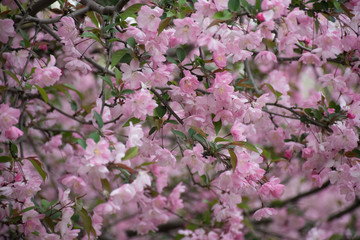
208,119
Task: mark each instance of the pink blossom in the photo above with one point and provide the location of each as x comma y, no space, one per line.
97,153
6,29
68,29
264,213
75,64
309,58
46,76
194,159
188,83
125,193
174,200
219,59
16,59
140,104
149,19
260,17
135,135
307,152
13,133
8,117
186,30
237,131
273,188
143,179
78,184
350,115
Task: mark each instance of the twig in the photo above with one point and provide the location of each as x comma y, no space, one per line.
248,72
167,105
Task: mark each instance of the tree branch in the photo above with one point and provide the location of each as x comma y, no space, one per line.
347,210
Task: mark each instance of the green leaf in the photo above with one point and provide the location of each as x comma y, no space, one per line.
133,120
243,206
152,130
42,93
71,87
246,145
127,91
95,136
131,11
118,76
220,139
223,15
82,143
160,110
37,165
199,138
178,133
45,204
99,119
86,219
12,75
106,185
234,5
14,149
130,153
246,5
94,18
107,80
4,159
217,126
163,24
191,132
276,93
117,56
181,54
131,42
91,35
233,159
73,105
172,121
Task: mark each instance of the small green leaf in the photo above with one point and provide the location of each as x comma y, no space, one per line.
86,219
82,143
117,56
223,15
91,35
107,80
4,159
130,153
246,145
220,139
163,24
42,93
118,76
233,159
12,75
106,185
160,111
95,136
99,119
178,133
217,126
234,5
127,91
181,54
131,42
131,11
172,121
132,120
73,105
37,165
243,206
152,130
276,93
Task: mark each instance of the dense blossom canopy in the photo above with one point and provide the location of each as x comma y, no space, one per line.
207,119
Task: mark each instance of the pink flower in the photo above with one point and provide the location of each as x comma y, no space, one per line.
8,117
140,104
125,193
75,64
174,200
188,83
307,152
68,29
149,19
219,59
238,130
309,58
16,59
194,159
78,184
264,213
6,29
260,17
97,153
135,135
13,133
47,76
350,115
288,154
186,30
273,188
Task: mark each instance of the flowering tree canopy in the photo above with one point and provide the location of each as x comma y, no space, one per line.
207,119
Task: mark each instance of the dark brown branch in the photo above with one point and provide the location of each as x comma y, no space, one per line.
40,5
347,210
108,10
167,105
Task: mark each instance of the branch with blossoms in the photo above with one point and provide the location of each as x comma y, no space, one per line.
179,119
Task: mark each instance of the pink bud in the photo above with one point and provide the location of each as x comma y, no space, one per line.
350,115
260,17
307,41
288,154
13,133
331,110
43,47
